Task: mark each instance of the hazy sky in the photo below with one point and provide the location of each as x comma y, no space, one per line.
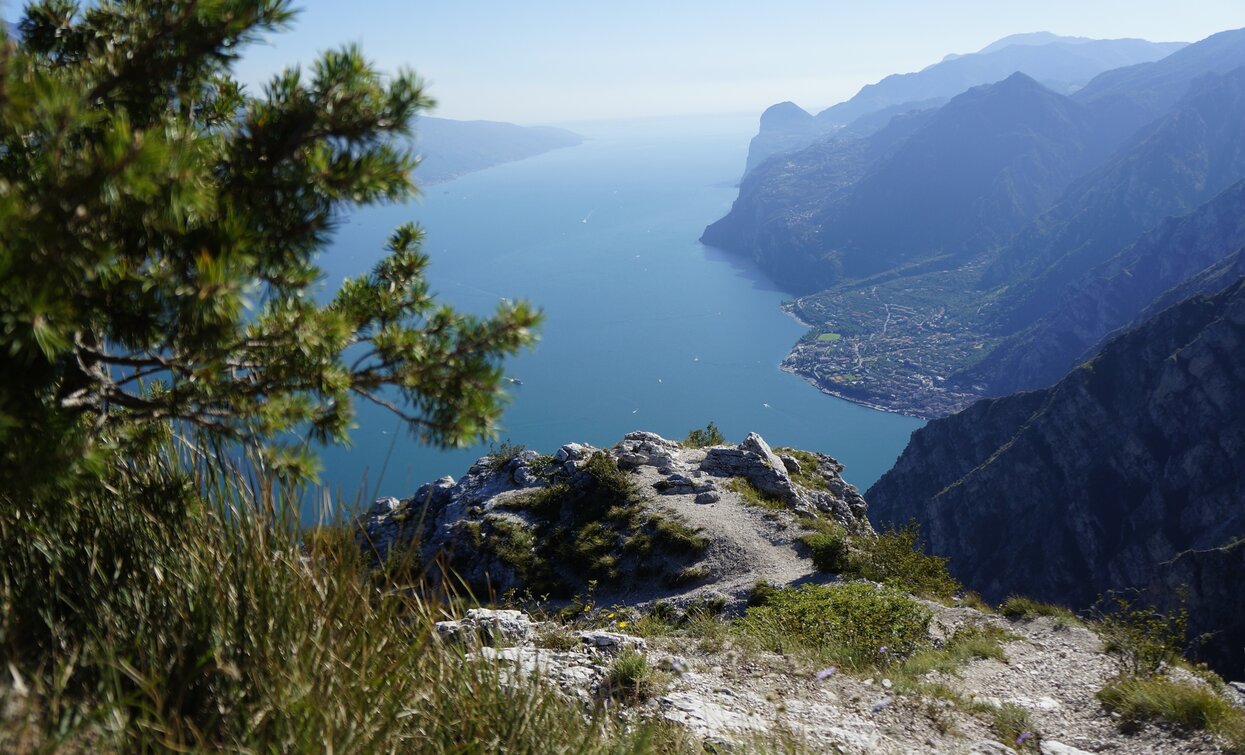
547,61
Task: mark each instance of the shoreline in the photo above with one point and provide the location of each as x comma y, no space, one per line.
852,399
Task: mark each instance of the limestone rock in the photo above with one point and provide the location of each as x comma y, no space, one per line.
1051,747
502,628
612,641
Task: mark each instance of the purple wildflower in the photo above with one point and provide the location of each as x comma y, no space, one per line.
826,673
880,705
1025,736
884,649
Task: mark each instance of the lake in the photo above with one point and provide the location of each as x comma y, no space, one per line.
645,328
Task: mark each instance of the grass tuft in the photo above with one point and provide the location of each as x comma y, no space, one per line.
1192,707
753,496
1021,608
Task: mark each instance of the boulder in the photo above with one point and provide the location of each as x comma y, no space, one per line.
501,628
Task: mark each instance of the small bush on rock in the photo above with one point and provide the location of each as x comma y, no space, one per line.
710,436
1144,639
631,678
830,552
855,625
896,558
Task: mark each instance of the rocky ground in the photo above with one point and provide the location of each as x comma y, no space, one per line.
733,698
749,506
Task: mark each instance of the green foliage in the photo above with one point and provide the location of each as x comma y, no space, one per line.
500,456
965,644
159,229
896,558
589,529
856,625
893,558
808,476
1193,707
1145,640
631,678
677,537
1010,723
830,552
137,625
1020,607
710,436
752,495
761,592
688,575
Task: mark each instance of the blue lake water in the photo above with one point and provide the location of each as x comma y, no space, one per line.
645,328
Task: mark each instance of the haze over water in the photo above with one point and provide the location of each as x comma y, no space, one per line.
645,328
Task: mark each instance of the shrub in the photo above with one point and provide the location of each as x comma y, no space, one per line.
829,552
856,625
1144,639
710,436
896,558
500,456
761,592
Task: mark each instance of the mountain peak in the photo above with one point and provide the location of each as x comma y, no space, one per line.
785,115
1032,39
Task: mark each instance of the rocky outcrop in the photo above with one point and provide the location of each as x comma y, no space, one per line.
1129,474
963,178
733,700
648,518
1114,294
785,127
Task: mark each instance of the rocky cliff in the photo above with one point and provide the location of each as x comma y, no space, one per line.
1062,63
1128,474
679,538
648,519
1114,294
959,179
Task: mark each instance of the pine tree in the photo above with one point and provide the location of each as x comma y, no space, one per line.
159,228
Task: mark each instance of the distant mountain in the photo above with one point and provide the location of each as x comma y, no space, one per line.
955,178
1060,59
452,148
1135,95
1062,63
1033,38
1194,152
977,253
1184,253
1129,474
785,127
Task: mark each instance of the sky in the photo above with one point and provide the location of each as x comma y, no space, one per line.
557,61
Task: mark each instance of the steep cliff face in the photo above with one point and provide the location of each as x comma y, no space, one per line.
1178,163
785,127
957,178
1094,484
1114,294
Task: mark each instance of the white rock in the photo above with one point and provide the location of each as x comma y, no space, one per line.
599,638
1051,747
